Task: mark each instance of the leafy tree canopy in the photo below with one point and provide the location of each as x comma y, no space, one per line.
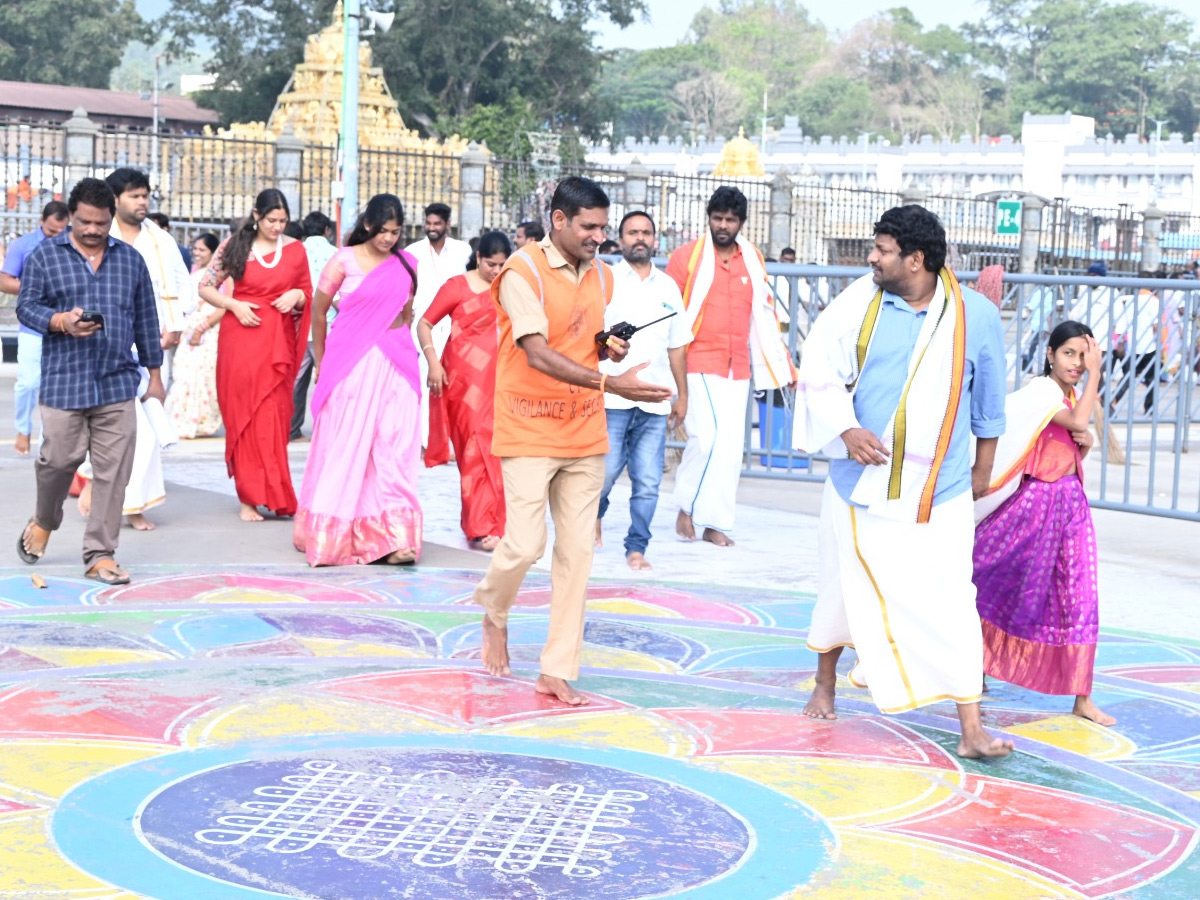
76,42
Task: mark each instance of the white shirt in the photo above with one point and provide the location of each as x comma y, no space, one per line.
638,300
1146,306
435,269
174,289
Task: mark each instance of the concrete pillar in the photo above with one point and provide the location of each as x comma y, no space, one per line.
472,180
779,232
913,195
637,182
289,156
80,149
1031,233
1152,224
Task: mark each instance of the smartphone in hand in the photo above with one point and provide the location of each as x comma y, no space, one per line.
92,317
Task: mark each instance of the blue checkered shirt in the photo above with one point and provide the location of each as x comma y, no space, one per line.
79,373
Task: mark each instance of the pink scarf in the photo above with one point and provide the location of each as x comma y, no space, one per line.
363,321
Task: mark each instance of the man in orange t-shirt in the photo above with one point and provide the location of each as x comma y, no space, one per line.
550,430
714,274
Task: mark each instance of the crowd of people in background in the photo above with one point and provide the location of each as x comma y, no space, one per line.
544,373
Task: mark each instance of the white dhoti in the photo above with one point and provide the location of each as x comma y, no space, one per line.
145,489
901,595
706,481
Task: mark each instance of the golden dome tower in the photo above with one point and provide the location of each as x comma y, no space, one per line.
739,157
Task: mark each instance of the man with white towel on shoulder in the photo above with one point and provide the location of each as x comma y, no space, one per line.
736,336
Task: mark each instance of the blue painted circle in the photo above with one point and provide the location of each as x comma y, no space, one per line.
471,817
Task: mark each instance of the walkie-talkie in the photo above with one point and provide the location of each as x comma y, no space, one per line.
624,331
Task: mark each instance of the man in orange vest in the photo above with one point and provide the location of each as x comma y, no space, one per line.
550,431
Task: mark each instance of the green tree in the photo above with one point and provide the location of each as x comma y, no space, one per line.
762,46
76,42
1122,63
441,59
638,88
256,44
835,104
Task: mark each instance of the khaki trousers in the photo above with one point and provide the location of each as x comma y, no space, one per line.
107,433
572,489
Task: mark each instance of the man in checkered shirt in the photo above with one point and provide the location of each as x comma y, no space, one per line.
89,373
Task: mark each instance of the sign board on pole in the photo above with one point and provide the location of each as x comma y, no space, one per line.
1008,217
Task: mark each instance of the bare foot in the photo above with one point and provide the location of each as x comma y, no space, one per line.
489,543
820,704
21,445
720,538
138,522
1085,708
401,557
637,561
684,527
981,745
248,513
558,687
599,537
85,500
495,648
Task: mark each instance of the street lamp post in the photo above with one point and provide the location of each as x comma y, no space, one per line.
154,132
1158,127
348,139
866,136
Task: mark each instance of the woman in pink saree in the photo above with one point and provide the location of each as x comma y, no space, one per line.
358,500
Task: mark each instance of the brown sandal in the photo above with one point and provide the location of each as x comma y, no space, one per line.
110,575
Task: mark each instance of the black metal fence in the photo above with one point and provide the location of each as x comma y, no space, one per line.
203,181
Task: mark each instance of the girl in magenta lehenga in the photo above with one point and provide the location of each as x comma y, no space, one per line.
358,500
1035,547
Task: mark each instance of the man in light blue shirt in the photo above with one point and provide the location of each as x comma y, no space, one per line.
899,371
29,342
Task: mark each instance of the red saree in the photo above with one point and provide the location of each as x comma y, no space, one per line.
256,370
466,403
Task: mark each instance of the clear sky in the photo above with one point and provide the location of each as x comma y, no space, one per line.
669,19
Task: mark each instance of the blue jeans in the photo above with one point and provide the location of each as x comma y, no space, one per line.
638,439
29,380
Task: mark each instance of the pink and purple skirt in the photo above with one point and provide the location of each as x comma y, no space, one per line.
1035,573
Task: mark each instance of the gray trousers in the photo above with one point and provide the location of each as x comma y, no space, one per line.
108,434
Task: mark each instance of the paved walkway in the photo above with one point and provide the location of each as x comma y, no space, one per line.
235,722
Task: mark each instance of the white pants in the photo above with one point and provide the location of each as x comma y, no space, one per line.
707,478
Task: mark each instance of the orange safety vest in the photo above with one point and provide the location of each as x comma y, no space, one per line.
537,415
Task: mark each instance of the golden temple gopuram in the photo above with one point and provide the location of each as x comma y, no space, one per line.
739,157
311,102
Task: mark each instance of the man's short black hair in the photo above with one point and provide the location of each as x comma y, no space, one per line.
127,179
608,247
575,193
317,224
915,228
632,214
92,192
441,210
160,219
55,209
728,199
533,230
786,250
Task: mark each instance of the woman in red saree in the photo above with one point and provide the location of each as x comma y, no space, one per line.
462,385
259,349
358,500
